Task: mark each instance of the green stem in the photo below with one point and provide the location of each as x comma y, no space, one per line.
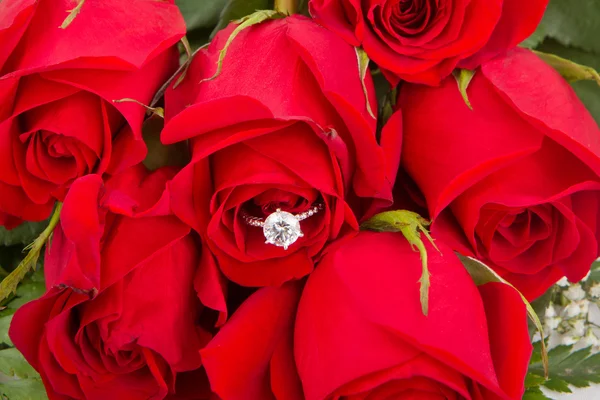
287,7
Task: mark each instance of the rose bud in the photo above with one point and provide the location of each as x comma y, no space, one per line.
515,181
59,79
423,41
360,332
120,315
284,126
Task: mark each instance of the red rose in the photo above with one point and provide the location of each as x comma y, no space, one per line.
58,120
423,41
360,332
356,331
282,126
119,319
519,175
252,356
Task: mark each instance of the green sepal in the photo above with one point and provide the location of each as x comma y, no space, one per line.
363,69
236,9
72,14
569,70
483,274
463,79
411,225
246,22
159,111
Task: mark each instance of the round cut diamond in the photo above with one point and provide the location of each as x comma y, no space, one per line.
282,229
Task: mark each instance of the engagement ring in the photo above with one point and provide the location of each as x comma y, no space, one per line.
281,228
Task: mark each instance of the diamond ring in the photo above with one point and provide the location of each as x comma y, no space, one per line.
281,228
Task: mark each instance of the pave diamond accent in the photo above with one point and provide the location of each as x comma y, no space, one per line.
282,229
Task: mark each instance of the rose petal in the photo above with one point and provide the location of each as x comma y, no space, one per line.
238,371
138,31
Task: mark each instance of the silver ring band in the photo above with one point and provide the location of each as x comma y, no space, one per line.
260,222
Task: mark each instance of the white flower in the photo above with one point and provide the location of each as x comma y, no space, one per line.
575,293
590,339
578,329
595,291
550,312
568,340
552,323
564,282
572,310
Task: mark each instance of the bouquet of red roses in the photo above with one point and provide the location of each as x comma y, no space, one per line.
324,199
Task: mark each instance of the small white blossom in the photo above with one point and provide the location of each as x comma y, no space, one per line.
564,282
552,323
550,312
578,328
572,310
575,293
568,340
595,291
590,339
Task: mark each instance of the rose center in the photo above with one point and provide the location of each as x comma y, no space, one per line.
56,145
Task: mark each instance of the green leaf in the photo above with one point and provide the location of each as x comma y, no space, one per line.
558,385
200,14
22,234
411,225
4,326
595,273
463,79
18,379
483,274
23,389
532,380
30,289
535,393
27,292
574,23
363,70
536,38
238,9
566,367
12,363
